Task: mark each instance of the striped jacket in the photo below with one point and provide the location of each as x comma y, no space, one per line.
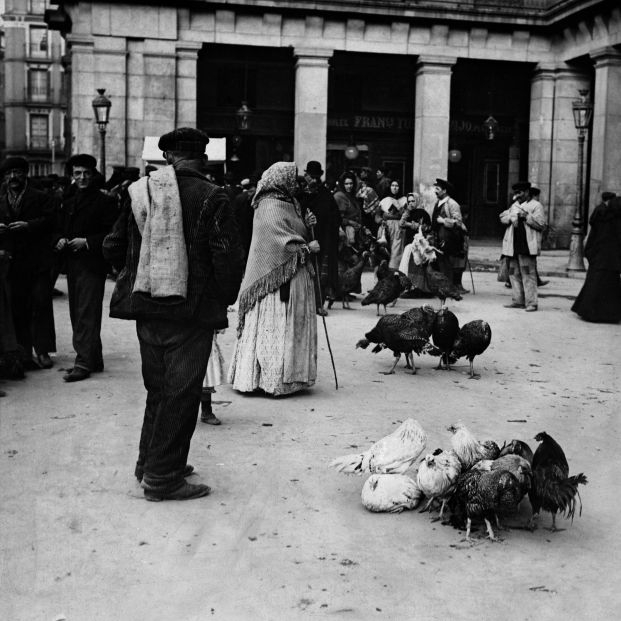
214,258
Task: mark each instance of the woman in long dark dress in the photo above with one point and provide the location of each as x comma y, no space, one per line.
600,298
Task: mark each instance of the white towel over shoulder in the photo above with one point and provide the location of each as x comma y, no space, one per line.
163,263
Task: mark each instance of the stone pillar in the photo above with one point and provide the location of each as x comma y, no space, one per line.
553,146
606,137
311,106
432,118
187,65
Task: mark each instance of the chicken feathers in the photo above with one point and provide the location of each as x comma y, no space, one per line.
393,454
437,475
390,493
468,449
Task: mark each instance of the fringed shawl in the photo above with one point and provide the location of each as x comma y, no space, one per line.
279,237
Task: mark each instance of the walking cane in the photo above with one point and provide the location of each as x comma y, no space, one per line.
323,318
471,278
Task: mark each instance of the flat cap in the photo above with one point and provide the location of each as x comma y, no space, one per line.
82,159
445,185
520,186
534,191
14,163
606,196
184,139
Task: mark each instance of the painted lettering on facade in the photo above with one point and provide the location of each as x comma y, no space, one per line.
368,122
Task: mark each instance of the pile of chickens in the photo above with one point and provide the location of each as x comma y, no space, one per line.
424,330
474,480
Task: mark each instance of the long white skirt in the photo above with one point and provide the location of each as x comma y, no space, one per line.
277,350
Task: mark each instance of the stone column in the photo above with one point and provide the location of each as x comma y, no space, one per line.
431,119
606,137
187,65
553,145
311,106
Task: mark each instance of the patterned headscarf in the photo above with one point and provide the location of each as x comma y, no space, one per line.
279,181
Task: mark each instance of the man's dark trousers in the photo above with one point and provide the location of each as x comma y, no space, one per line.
174,360
86,291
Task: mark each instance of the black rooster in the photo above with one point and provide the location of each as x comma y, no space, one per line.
553,489
402,336
387,290
473,339
483,494
444,334
440,286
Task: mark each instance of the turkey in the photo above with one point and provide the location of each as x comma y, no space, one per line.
437,475
393,454
387,290
482,494
517,447
473,339
440,285
350,279
553,489
402,334
444,334
382,270
390,493
469,449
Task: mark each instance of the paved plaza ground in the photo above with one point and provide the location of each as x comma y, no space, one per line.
284,537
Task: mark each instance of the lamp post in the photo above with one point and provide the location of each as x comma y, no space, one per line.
101,107
582,109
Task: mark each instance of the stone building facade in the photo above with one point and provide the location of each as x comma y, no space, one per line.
409,84
34,91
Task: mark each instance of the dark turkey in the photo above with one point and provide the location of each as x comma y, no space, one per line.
350,279
387,290
473,339
382,270
440,286
444,334
402,336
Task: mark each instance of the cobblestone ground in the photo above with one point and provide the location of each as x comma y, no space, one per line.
284,537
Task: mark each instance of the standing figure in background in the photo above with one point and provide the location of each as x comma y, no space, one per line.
450,233
214,376
369,203
351,214
599,299
85,219
317,199
26,224
392,208
242,208
276,347
382,184
522,243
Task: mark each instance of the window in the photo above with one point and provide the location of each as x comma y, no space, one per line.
39,46
491,181
38,84
37,7
39,131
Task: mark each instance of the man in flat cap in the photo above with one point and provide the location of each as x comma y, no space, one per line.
26,224
86,218
450,231
178,293
320,201
524,220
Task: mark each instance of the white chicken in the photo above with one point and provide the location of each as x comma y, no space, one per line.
390,493
393,454
469,449
437,475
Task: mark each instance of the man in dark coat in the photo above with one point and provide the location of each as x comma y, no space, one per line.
85,219
318,199
26,224
175,324
244,212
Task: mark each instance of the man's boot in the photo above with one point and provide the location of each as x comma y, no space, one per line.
207,415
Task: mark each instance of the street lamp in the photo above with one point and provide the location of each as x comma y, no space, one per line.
243,115
490,125
582,109
101,107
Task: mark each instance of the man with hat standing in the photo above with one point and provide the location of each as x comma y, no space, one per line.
26,224
318,199
522,244
86,218
178,293
450,232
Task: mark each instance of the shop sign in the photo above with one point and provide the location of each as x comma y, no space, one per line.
466,126
371,122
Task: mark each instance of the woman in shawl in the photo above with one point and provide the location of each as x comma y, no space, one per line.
351,215
392,208
599,300
276,348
